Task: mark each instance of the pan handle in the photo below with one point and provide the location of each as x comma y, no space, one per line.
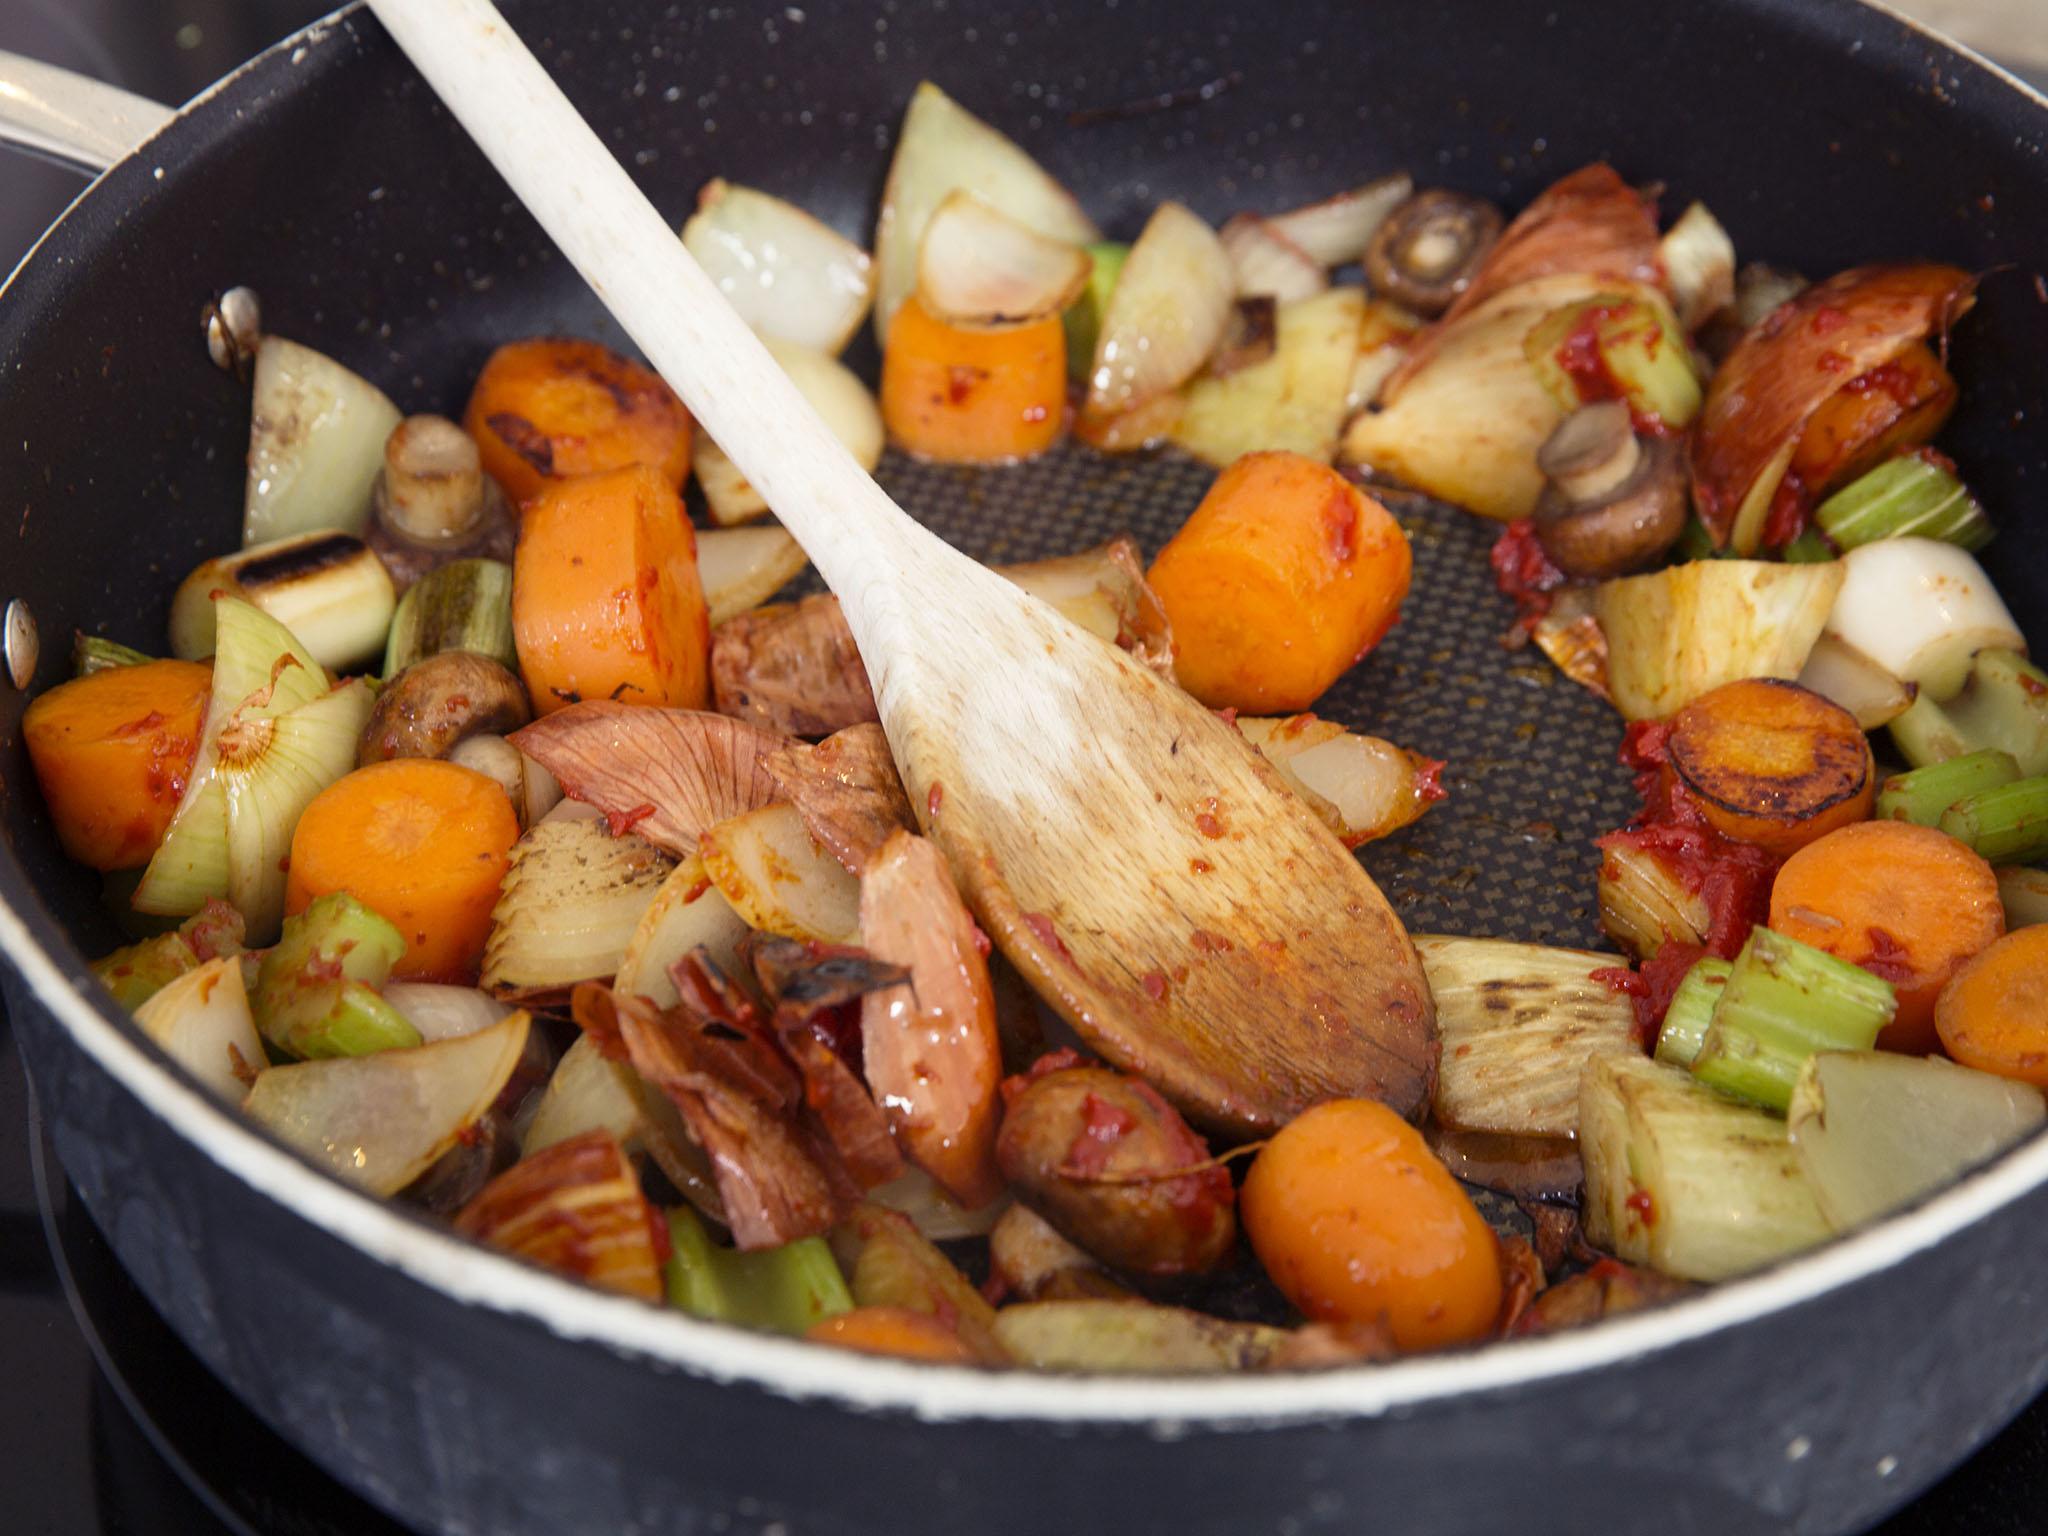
68,118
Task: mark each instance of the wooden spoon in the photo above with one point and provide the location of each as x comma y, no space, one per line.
1136,859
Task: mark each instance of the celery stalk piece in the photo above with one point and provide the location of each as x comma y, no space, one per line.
316,994
138,972
2024,895
465,605
1909,496
2005,705
1783,1001
1631,339
96,653
1925,735
1923,794
2006,825
781,1290
1692,1009
1083,317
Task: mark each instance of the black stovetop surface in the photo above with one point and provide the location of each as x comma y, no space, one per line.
108,1425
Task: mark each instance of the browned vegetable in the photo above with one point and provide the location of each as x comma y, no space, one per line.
1615,502
575,1207
791,667
1772,763
1609,1288
1427,251
889,1263
846,790
1031,1261
1790,363
1110,1163
436,703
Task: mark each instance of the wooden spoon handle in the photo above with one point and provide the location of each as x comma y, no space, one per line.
857,537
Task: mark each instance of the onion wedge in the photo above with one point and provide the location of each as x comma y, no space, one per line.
576,1208
741,568
1169,309
1919,609
316,444
978,266
202,1022
788,275
943,148
379,1121
1267,262
1292,401
1361,786
778,879
1338,229
834,392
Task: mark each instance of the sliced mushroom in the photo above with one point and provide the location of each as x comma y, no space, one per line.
435,703
1614,501
1425,253
433,502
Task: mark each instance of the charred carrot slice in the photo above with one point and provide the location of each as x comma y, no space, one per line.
1772,763
555,407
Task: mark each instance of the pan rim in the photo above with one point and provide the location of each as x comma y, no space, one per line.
1167,1407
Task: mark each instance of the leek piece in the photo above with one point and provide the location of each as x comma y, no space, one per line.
782,1290
1083,317
465,605
1681,1178
137,972
316,994
1692,1010
1783,1001
1923,794
96,653
1910,496
2024,895
1810,548
2005,825
2003,706
1634,339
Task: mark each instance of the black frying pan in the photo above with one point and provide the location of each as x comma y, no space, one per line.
466,1393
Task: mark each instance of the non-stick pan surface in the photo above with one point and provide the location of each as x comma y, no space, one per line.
325,177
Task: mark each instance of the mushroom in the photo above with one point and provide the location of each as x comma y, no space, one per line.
434,704
433,502
1425,252
1614,501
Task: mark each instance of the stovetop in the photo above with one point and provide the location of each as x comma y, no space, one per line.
108,1425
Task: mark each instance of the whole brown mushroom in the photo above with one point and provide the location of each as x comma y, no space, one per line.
1614,501
433,704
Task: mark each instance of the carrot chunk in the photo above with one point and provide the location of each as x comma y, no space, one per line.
1908,903
1286,575
555,407
112,752
892,1331
1772,764
980,395
1993,1014
422,843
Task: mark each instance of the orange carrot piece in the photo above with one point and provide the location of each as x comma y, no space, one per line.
606,602
1356,1220
1907,903
892,1331
421,842
977,395
555,407
1993,1014
1286,575
112,751
1772,763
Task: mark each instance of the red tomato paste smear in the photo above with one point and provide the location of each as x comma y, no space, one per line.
1525,576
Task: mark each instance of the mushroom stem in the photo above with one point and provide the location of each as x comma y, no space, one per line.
433,481
1593,451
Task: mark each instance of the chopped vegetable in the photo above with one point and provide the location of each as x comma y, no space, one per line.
441,1012
788,275
1104,591
1772,764
1685,630
1284,577
899,1331
1907,903
1923,794
687,915
1920,609
2003,707
2024,895
555,407
1354,1219
791,668
916,1194
1516,1023
434,504
1083,318
1267,263
379,1121
1338,229
96,653
1131,1336
1645,901
778,879
1167,312
1993,1013
465,605
789,1289
571,898
847,793
1428,249
1893,408
1362,787
889,1264
835,392
1914,495
1782,1001
422,843
201,1021
1699,264
977,267
137,972
741,568
606,603
576,1208
316,444
1691,1010
1613,500
113,752
973,395
2007,823
1616,346
316,992
1685,1179
436,704
1838,671
1876,1131
327,588
1294,400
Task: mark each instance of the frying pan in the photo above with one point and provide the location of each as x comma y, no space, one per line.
466,1393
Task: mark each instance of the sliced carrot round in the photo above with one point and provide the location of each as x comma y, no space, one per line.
1993,1014
1772,763
556,407
973,395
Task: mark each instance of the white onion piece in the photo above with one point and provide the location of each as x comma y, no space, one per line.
741,568
932,1211
779,880
1920,609
1374,367
1839,672
443,1013
834,392
1699,263
1165,315
570,810
688,913
316,444
1267,262
787,274
1338,229
587,1091
379,1121
201,1021
978,266
942,148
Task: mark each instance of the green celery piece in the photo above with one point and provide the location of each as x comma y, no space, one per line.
1783,1001
1083,317
2005,705
96,653
2007,824
465,605
1638,344
780,1290
316,994
1925,735
137,972
1810,548
1908,495
1922,795
1692,1009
